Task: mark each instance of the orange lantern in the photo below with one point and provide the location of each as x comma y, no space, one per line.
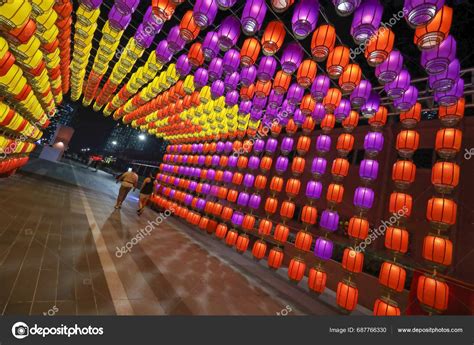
445,176
432,293
276,184
351,121
247,92
392,276
317,280
335,193
358,228
273,37
271,205
410,118
203,222
307,105
350,77
401,204
303,145
303,240
276,129
338,59
308,125
438,250
322,42
265,227
242,243
196,55
297,166
249,51
379,119
281,82
266,163
435,31
242,162
352,260
340,168
237,178
232,195
296,269
309,214
221,231
231,237
441,212
259,249
396,239
306,73
281,233
260,182
451,115
275,258
163,9
385,308
188,29
379,46
347,296
287,210
248,222
403,173
262,88
222,193
291,127
292,187
448,142
332,99
407,142
227,213
345,143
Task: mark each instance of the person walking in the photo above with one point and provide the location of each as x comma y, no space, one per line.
146,191
129,180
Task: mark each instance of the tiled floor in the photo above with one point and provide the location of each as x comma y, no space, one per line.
59,235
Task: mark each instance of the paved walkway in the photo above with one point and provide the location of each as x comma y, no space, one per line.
59,235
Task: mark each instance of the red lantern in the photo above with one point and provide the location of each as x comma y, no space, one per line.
351,121
259,249
221,231
275,258
338,59
441,212
401,204
249,51
350,77
309,214
242,243
385,308
403,173
396,239
358,228
231,237
445,176
352,260
340,168
276,184
303,145
260,182
451,115
380,45
296,269
379,119
306,73
347,296
407,142
392,276
265,227
432,293
287,210
317,280
271,205
248,222
435,31
273,37
448,142
438,250
297,166
335,193
293,187
281,83
410,118
322,42
332,100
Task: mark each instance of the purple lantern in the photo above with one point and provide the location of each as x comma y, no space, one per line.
342,110
245,107
175,42
227,176
275,99
420,12
249,179
231,61
206,188
256,114
345,7
228,32
232,162
163,54
126,6
314,190
295,94
225,4
253,163
232,98
253,16
258,146
371,106
266,68
318,167
363,198
237,219
366,20
329,220
248,75
444,81
214,162
183,66
200,204
231,81
254,202
259,103
210,45
320,87
143,38
323,248
388,70
450,97
201,160
188,199
397,87
361,93
204,12
373,143
201,77
281,164
271,145
220,147
215,69
408,99
243,199
323,143
291,57
437,60
228,147
214,191
305,17
368,169
287,145
118,20
318,113
299,117
217,88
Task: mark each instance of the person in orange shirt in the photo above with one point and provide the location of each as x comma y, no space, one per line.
129,180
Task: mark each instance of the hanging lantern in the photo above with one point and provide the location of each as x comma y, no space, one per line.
399,85
352,260
434,32
273,37
231,237
332,100
265,227
358,228
446,80
195,55
407,143
389,69
275,258
249,51
287,210
317,280
163,9
335,193
421,12
323,144
296,269
408,99
259,249
441,212
350,77
340,168
379,48
322,42
371,106
366,20
338,59
438,250
292,187
309,215
411,117
266,68
445,176
306,73
345,7
396,239
225,4
451,115
403,173
448,142
253,16
188,28
363,198
228,32
281,82
313,190
347,296
432,293
305,17
386,307
392,276
323,248
320,87
303,145
351,121
291,57
204,12
242,243
437,59
401,204
361,93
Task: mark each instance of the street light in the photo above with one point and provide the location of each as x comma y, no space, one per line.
114,142
141,136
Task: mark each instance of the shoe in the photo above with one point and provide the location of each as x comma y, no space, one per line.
117,207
